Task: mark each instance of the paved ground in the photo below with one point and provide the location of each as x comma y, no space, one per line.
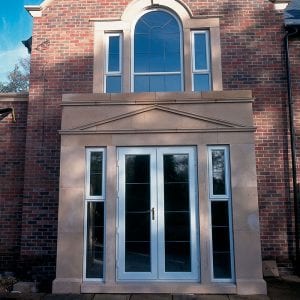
278,289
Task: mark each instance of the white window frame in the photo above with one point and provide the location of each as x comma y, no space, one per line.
89,199
227,194
133,74
194,275
218,198
88,196
121,274
208,57
120,71
157,202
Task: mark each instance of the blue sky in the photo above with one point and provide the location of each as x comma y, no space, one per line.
15,26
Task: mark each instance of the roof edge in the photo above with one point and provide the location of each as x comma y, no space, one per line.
36,10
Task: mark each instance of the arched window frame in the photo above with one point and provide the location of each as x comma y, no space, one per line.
138,17
125,26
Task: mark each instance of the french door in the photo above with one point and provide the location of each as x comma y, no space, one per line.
157,214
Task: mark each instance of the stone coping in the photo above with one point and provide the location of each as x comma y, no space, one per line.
214,96
14,97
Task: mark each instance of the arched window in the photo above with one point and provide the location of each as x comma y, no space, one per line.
157,57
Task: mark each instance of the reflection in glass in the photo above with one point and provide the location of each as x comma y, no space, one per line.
218,172
222,268
137,213
177,213
96,173
200,51
113,84
201,82
114,54
95,240
157,49
157,83
221,239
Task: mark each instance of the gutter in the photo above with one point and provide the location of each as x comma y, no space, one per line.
291,31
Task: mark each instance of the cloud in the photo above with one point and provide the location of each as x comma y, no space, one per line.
9,58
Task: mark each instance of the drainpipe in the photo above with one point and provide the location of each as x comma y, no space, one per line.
293,144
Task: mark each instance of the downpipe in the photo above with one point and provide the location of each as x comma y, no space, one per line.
293,145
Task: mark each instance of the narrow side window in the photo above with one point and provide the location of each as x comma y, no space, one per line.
94,214
221,216
201,61
113,68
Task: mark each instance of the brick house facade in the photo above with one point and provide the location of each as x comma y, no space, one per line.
67,73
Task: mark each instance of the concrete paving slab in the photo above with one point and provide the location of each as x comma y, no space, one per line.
111,297
151,297
279,289
68,297
252,297
200,297
22,296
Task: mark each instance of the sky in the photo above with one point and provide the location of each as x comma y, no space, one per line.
15,26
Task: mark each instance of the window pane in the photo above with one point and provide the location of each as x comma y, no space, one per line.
137,168
218,172
157,38
96,175
200,51
157,83
137,213
176,168
113,84
156,62
172,62
221,240
201,82
114,54
173,83
95,240
219,213
141,83
177,226
172,44
141,62
176,196
178,257
222,267
177,213
156,18
157,44
141,43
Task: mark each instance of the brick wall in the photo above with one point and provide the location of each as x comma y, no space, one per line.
12,141
62,62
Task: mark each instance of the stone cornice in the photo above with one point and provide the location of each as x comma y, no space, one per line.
151,98
36,10
13,97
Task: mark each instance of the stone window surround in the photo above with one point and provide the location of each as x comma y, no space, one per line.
126,26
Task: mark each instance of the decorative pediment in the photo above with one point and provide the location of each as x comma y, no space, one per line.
158,118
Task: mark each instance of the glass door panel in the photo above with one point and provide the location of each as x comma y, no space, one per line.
176,213
137,229
137,209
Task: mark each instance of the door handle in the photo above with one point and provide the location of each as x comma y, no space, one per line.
153,213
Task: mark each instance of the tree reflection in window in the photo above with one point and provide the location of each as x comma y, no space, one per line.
218,172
